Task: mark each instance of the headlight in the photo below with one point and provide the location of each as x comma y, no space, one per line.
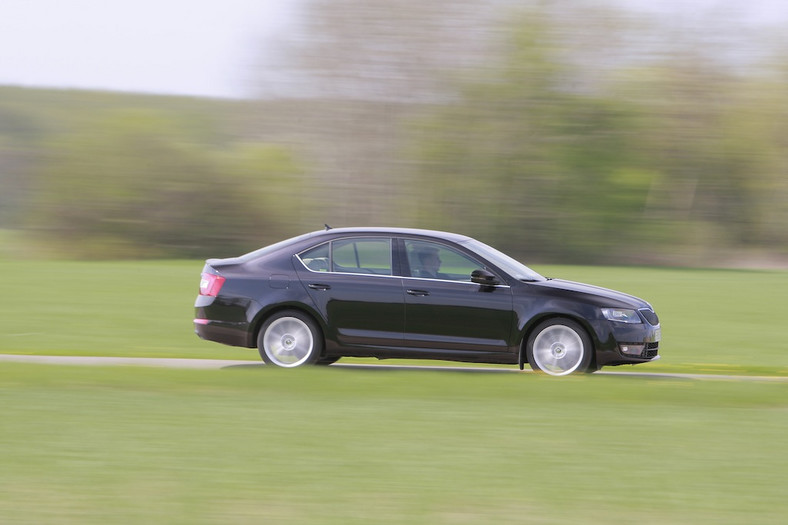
621,315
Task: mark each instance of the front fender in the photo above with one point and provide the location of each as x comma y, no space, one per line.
598,330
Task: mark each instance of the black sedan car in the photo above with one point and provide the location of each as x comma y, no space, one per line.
405,293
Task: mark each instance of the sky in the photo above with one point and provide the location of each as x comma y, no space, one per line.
208,48
190,47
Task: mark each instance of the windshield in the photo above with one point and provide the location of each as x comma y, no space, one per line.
511,266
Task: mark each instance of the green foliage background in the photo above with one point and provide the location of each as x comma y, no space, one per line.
668,155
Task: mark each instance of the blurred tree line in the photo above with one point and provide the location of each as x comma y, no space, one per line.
557,133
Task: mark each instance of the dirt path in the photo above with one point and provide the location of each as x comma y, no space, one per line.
216,364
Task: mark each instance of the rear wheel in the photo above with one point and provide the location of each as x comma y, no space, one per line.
559,347
289,339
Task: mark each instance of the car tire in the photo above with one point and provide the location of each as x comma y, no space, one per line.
559,347
289,339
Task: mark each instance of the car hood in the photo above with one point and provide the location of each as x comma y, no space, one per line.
596,294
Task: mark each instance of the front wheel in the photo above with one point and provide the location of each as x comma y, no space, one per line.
289,339
559,347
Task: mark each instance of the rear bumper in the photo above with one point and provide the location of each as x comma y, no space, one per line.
233,334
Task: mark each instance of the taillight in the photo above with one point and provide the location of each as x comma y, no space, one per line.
210,284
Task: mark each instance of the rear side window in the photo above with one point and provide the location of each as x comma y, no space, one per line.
367,256
317,259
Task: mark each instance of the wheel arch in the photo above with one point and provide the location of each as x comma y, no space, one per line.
264,315
538,320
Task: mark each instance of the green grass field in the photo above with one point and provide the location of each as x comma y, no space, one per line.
713,321
97,445
85,445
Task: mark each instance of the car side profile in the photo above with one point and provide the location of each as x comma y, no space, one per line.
415,294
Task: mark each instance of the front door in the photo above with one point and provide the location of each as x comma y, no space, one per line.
445,311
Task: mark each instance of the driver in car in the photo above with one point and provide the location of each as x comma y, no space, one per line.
430,264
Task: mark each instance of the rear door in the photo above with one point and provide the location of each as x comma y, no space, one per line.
353,285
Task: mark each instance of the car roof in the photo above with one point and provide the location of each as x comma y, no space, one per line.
456,237
301,242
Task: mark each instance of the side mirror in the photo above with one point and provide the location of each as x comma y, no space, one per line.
483,277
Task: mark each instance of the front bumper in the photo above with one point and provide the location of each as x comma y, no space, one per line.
627,343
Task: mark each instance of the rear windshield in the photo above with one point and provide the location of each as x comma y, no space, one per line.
265,250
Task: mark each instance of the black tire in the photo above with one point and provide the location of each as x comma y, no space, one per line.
289,339
559,347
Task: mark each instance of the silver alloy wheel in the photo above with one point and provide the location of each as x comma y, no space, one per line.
288,342
558,350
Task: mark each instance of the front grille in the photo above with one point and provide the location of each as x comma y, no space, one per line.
650,316
651,350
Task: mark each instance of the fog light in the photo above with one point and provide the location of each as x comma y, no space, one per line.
632,349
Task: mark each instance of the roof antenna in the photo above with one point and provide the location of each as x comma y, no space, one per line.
327,227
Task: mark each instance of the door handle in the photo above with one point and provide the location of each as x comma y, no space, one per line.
318,286
418,293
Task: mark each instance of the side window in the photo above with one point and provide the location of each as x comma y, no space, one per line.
317,258
435,261
371,256
362,256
